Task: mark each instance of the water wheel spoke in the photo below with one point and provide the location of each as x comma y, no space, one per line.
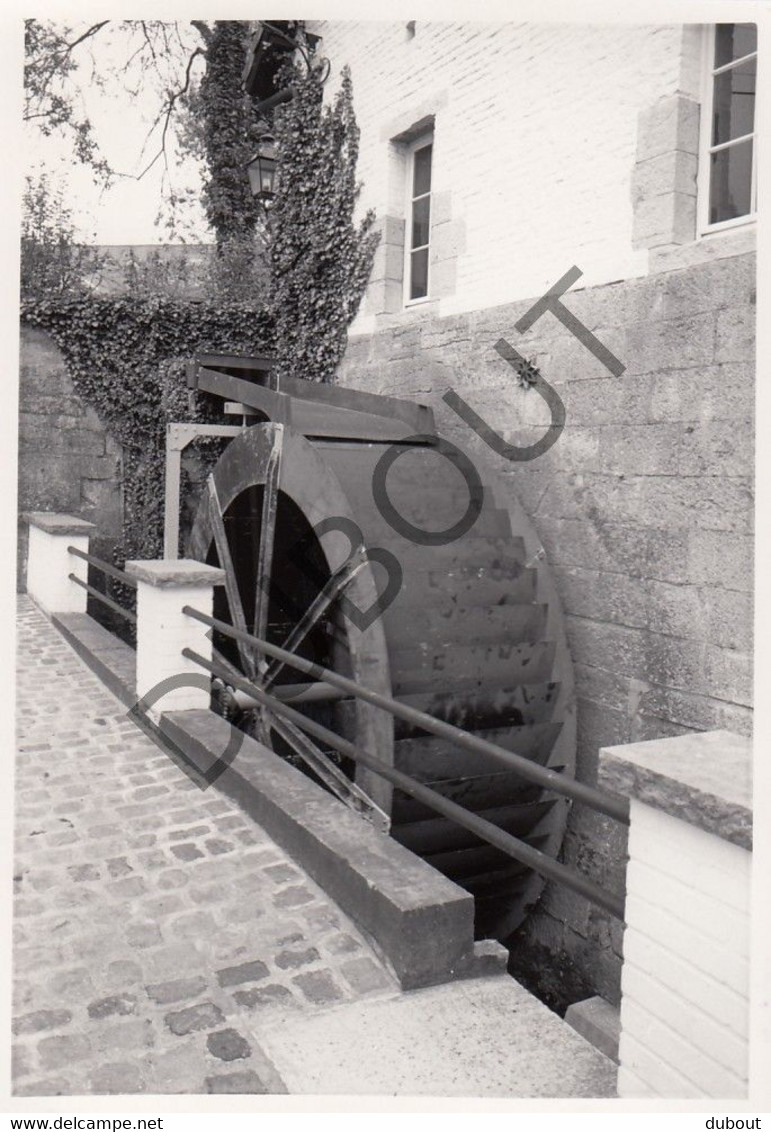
226,563
328,771
318,609
267,537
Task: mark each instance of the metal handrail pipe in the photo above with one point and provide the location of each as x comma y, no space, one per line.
296,693
483,829
105,567
612,806
105,599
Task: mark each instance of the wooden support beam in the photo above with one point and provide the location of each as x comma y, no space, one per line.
171,502
178,436
313,414
267,539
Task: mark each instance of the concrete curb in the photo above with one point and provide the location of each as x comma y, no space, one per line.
597,1021
420,922
111,659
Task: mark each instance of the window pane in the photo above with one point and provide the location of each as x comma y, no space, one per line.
420,221
733,112
419,274
730,184
733,41
422,172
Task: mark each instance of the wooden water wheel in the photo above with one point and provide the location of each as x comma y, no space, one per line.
474,635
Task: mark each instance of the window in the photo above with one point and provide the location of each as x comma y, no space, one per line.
418,228
727,167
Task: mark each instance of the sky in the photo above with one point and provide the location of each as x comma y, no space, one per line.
122,109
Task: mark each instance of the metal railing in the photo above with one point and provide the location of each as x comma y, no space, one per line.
551,780
113,572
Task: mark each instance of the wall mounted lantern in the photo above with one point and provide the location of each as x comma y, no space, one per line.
270,46
262,170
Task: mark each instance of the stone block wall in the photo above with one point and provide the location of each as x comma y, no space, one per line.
68,462
644,506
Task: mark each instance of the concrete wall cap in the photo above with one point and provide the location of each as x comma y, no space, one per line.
56,524
704,779
174,572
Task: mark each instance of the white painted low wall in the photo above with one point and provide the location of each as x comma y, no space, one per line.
164,588
685,976
685,980
50,563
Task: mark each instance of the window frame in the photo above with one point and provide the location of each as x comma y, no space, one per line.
425,139
706,149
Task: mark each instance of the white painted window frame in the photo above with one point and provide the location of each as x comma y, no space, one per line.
706,149
410,151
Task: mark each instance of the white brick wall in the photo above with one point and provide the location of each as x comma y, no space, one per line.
535,140
49,565
163,630
685,980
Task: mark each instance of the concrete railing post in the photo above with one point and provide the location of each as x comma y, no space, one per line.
49,562
164,676
685,977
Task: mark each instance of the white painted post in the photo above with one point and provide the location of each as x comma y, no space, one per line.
49,562
178,436
164,587
171,497
685,978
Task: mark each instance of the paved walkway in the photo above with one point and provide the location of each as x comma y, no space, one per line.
155,925
163,943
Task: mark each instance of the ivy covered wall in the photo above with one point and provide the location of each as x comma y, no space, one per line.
118,366
68,461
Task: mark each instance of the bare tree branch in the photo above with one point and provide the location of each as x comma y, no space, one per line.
167,110
57,57
148,41
52,66
93,30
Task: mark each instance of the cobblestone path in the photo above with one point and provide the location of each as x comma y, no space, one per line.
152,921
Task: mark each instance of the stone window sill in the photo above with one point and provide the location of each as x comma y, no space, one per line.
738,240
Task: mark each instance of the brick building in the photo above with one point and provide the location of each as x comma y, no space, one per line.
497,157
